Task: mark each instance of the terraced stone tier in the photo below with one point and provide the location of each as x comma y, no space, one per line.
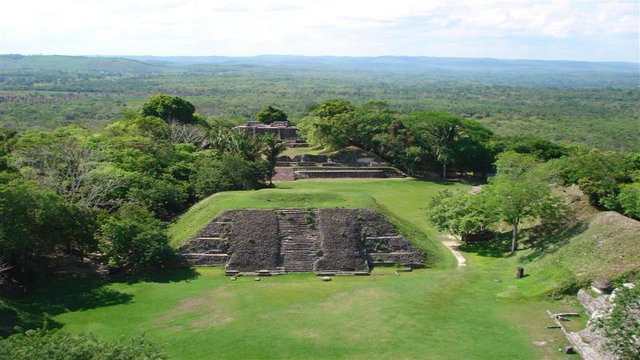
341,243
336,241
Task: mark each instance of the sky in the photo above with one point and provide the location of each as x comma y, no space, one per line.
528,29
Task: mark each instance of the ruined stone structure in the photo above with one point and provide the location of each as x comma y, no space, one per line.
327,241
282,130
347,163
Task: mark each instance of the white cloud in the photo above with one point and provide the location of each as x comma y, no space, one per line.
528,28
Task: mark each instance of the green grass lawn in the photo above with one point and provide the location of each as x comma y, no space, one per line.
436,313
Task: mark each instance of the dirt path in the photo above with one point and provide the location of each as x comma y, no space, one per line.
452,244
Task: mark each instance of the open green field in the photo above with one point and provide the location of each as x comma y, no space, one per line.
442,312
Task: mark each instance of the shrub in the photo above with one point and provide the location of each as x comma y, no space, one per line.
133,238
56,344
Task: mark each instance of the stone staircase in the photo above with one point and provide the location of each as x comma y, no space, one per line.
299,245
209,248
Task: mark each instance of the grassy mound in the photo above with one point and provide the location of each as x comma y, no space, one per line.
604,245
201,213
402,202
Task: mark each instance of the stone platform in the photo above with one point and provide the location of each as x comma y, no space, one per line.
328,241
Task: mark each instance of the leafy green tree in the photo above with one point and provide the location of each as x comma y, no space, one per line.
460,213
245,146
629,199
7,139
62,161
369,119
230,171
168,108
164,196
271,148
333,107
34,221
270,114
599,174
61,345
474,151
528,144
520,190
134,238
440,130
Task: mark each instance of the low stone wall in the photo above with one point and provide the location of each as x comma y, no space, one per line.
199,259
593,304
590,341
337,173
311,159
405,258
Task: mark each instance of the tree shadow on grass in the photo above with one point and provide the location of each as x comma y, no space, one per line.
73,293
156,276
544,241
496,247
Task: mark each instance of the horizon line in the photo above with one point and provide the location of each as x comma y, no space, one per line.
327,56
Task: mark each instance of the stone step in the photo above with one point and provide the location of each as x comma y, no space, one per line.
206,255
384,237
216,237
299,255
299,265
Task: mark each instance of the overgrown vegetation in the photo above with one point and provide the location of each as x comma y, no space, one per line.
104,197
60,345
520,191
621,325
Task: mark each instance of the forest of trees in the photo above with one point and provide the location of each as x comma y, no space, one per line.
593,104
107,196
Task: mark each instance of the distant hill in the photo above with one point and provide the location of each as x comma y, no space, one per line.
495,71
77,64
563,74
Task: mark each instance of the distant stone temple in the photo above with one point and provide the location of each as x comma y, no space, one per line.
281,129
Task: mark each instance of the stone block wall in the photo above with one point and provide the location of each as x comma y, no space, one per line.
254,241
342,247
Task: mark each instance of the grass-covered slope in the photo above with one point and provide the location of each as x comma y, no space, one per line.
594,245
605,245
201,213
